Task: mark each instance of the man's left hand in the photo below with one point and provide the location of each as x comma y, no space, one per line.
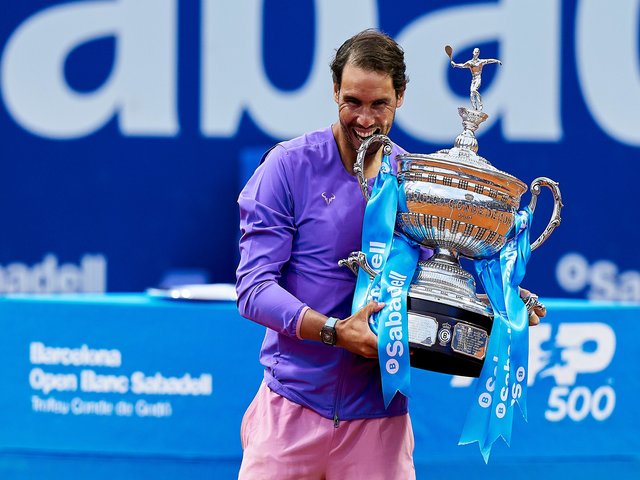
535,307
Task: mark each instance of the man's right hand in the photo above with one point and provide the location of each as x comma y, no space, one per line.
352,333
355,334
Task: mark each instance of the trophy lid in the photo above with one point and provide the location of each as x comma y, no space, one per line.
463,155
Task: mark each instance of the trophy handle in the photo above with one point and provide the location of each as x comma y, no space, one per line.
357,260
358,167
557,206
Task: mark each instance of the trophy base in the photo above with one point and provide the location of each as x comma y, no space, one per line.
447,339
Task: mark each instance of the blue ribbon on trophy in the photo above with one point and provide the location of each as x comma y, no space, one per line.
393,259
503,379
377,234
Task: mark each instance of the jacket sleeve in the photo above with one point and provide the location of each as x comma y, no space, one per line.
267,227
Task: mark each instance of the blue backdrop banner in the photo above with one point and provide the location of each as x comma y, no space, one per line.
126,126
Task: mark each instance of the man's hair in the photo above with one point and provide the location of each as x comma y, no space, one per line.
375,51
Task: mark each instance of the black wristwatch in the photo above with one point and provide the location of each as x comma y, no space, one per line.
328,332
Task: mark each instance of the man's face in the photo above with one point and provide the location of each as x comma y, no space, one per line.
367,104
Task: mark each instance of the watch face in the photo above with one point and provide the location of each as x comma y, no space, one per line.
328,336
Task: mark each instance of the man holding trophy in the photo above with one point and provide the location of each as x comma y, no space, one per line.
320,411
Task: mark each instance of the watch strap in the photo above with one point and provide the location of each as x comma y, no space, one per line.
331,322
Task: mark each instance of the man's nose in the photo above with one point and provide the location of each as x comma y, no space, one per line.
366,117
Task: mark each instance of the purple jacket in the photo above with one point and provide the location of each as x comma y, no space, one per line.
300,213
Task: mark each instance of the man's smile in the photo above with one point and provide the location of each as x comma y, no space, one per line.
362,135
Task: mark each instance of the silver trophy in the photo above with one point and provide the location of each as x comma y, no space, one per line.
457,204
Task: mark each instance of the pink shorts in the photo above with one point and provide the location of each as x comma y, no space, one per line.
283,440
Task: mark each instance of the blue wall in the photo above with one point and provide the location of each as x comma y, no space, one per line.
123,125
126,386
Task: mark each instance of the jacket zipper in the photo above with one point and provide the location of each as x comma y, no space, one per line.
336,417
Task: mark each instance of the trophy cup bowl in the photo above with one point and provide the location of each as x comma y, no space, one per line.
454,202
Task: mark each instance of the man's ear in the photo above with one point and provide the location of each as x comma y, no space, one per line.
400,99
336,92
